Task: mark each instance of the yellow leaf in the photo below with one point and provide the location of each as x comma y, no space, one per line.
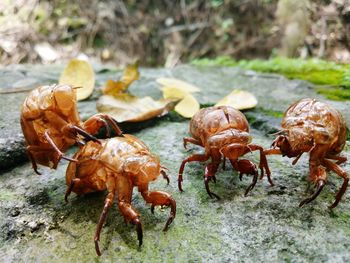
178,84
188,106
125,107
173,93
79,73
114,88
239,99
131,73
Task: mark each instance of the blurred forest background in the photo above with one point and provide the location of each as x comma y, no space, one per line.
166,33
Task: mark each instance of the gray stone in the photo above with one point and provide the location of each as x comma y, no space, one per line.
267,225
12,151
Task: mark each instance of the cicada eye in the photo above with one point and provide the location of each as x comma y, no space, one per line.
150,170
244,137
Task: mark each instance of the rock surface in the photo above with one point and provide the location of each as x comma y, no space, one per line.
267,225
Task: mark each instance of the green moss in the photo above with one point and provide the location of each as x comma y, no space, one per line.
206,105
314,70
250,118
335,93
335,77
341,218
173,116
276,114
6,195
219,61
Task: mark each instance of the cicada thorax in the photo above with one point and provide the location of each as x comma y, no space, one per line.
309,122
131,157
226,137
116,157
217,120
142,168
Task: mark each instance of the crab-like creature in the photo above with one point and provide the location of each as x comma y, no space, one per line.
51,124
311,126
118,164
223,132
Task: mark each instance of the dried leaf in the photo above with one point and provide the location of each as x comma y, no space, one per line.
79,73
173,93
130,74
125,107
239,99
188,106
178,84
113,87
177,89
